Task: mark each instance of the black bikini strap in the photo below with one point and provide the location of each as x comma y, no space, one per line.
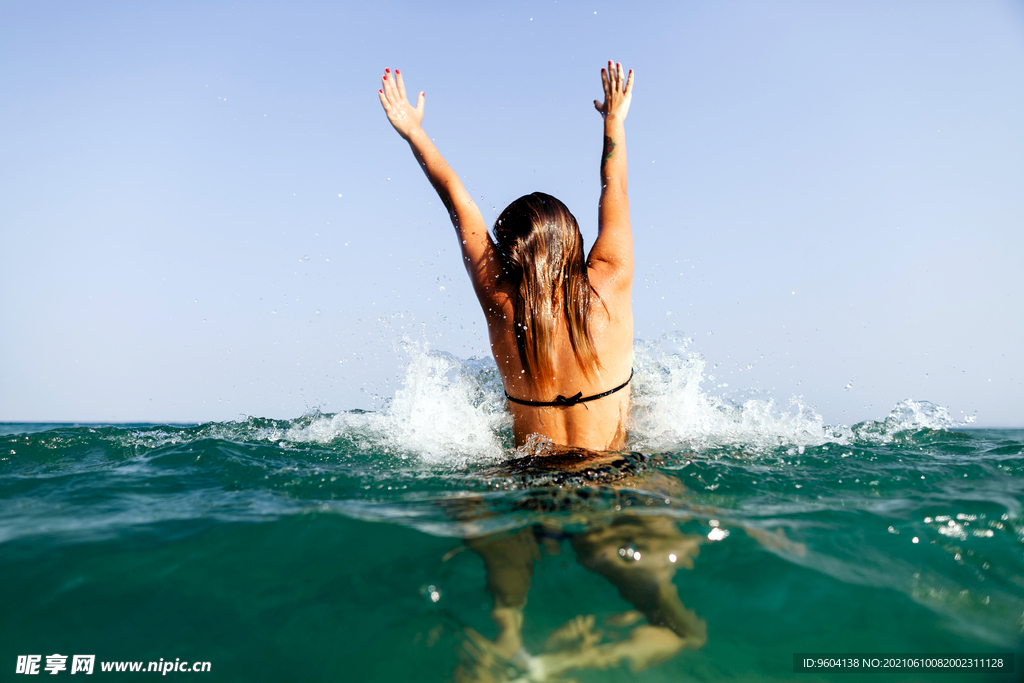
570,400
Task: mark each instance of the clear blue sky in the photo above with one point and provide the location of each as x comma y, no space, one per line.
204,213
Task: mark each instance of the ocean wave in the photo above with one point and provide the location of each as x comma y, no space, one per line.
450,412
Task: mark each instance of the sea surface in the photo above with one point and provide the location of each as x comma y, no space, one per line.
352,546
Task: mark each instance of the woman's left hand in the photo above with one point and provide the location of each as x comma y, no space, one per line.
401,114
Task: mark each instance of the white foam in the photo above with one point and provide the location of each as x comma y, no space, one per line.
450,411
908,415
670,411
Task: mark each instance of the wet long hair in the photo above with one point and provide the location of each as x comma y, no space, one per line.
541,251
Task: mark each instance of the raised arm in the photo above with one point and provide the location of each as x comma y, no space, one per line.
613,249
477,250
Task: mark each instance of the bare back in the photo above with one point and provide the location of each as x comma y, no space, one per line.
598,425
601,424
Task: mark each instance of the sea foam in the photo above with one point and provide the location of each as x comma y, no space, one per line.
450,411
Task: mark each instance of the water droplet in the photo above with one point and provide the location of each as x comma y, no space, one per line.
432,593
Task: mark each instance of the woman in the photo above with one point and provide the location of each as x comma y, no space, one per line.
561,331
561,327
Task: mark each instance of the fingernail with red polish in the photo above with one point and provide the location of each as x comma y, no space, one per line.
385,77
381,92
397,71
387,71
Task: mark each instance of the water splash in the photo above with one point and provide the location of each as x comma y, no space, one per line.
670,411
908,416
450,412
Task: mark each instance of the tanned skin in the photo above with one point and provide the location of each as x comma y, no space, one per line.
597,425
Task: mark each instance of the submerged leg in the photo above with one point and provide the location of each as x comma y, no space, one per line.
639,555
508,562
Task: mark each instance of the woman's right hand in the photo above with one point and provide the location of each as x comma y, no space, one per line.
401,114
618,91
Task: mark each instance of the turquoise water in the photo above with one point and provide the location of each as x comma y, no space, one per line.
333,547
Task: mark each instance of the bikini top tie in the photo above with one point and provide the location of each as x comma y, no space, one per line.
570,400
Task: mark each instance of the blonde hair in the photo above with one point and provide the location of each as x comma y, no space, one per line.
541,251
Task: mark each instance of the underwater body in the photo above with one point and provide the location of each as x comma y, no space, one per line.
346,546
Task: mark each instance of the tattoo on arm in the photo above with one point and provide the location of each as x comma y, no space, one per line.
609,149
